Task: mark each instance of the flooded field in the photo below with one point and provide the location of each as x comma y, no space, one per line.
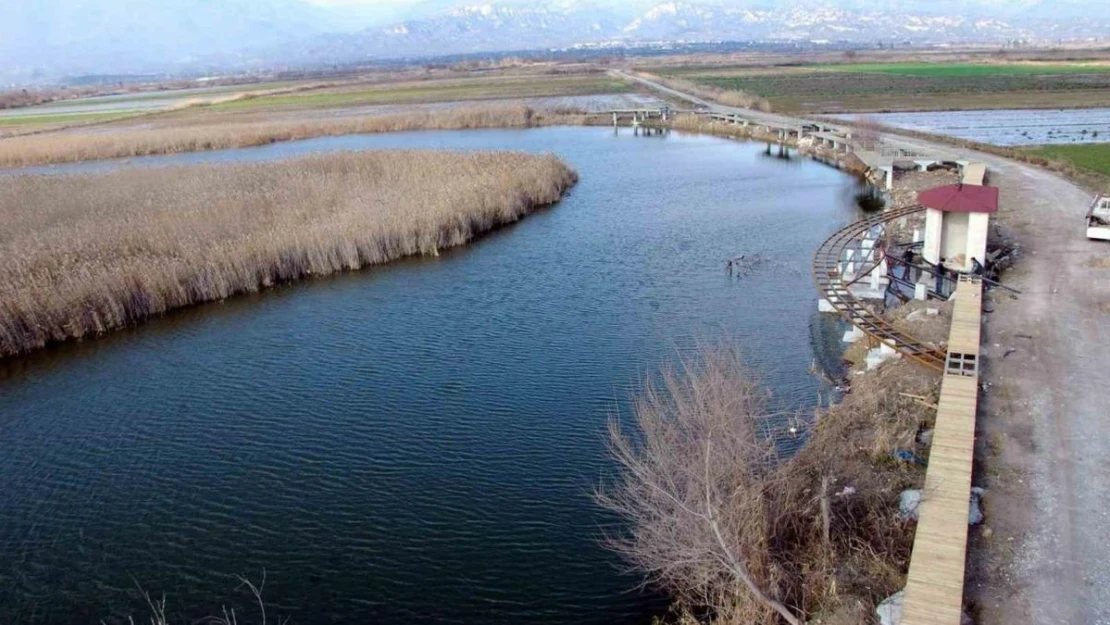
1006,127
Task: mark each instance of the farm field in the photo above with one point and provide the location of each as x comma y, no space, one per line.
1004,127
1093,157
894,87
373,94
24,121
952,70
426,91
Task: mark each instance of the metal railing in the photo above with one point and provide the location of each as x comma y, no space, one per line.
835,289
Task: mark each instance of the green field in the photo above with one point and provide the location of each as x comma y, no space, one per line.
956,70
55,119
887,87
1091,156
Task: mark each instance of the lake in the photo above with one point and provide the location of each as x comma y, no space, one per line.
415,443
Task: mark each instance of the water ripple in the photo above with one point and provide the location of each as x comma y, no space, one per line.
411,444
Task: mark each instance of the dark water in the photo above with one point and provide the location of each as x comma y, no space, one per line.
415,443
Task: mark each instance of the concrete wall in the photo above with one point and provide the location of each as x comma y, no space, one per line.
934,219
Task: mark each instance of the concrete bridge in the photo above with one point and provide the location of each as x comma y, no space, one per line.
638,116
878,155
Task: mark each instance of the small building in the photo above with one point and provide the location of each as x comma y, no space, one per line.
956,221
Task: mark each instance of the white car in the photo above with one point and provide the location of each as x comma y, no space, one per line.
1098,219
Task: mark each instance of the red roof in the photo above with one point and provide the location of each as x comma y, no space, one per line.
961,198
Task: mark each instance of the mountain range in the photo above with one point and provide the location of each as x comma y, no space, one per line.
43,39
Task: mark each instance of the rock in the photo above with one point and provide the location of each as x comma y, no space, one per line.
987,532
925,437
889,610
975,510
915,316
932,312
908,503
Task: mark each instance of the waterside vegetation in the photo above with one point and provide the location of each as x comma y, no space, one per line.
77,146
723,521
87,254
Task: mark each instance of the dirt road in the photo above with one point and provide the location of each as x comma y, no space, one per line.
1043,446
1043,440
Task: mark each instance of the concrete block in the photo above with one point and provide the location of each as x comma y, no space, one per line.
879,355
853,335
921,292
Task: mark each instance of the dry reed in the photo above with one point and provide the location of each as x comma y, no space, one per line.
727,97
82,255
818,534
73,146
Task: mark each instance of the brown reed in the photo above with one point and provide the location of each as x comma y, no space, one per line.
85,145
85,254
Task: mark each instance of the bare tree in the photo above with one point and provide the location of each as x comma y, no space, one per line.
694,483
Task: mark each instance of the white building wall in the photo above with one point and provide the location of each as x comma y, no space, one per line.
934,220
977,228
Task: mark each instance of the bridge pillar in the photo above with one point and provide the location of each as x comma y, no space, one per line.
889,171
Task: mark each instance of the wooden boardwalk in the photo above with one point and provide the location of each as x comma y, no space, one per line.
935,585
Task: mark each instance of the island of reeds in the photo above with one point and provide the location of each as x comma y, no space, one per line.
218,133
81,255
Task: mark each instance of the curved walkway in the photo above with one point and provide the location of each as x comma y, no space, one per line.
826,273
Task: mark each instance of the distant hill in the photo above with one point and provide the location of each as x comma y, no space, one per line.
40,38
510,26
50,38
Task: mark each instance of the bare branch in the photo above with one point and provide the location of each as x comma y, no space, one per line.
694,473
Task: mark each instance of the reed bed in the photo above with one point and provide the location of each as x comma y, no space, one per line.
83,255
74,146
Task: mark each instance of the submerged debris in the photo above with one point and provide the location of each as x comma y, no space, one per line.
746,264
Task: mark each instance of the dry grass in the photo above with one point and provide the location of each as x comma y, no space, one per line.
77,146
852,445
818,533
727,97
82,255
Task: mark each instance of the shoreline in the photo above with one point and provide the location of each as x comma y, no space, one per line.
120,247
1019,461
